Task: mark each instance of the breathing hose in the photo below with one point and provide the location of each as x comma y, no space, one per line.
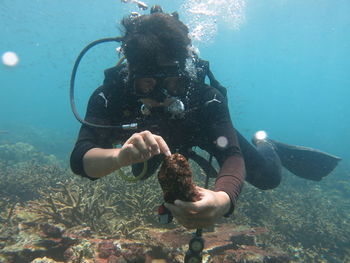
130,126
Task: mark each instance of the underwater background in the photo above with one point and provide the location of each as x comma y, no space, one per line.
286,66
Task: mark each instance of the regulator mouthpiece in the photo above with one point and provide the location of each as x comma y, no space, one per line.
176,108
145,110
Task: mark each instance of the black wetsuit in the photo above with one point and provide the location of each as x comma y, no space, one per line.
207,118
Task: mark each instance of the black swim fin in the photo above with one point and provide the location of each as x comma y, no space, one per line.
305,162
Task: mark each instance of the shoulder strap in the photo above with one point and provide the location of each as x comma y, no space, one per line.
203,163
113,75
205,71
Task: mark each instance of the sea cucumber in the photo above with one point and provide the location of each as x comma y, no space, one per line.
175,178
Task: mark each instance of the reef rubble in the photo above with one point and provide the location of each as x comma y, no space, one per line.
53,243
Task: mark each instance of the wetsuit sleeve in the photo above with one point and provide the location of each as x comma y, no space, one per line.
90,137
221,141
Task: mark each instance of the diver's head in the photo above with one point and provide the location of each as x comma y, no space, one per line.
154,39
156,49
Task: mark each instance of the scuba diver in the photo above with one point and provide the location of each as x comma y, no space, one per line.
156,102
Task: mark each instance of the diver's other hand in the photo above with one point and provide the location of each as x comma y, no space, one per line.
203,213
140,147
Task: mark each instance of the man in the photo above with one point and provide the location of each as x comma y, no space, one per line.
162,86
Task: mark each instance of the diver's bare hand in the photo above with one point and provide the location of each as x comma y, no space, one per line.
202,213
140,147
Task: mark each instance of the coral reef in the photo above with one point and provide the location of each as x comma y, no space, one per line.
175,178
302,218
223,245
21,152
71,205
24,170
7,212
49,215
49,193
8,221
92,205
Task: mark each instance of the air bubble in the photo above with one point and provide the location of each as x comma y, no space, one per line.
10,59
260,135
204,15
222,142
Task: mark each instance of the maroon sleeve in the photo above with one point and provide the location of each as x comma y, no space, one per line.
230,178
220,139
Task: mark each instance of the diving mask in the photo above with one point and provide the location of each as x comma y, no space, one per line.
165,82
165,88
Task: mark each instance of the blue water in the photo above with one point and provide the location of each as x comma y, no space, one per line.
286,66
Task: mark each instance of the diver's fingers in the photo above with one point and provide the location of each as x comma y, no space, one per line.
129,154
191,208
151,142
162,145
148,144
177,210
189,219
139,143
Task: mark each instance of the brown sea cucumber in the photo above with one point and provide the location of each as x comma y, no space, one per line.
175,178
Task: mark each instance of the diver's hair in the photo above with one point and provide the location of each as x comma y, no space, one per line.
148,36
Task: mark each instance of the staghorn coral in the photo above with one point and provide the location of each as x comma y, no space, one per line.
107,206
22,152
134,199
70,204
7,209
22,180
8,221
57,196
136,204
